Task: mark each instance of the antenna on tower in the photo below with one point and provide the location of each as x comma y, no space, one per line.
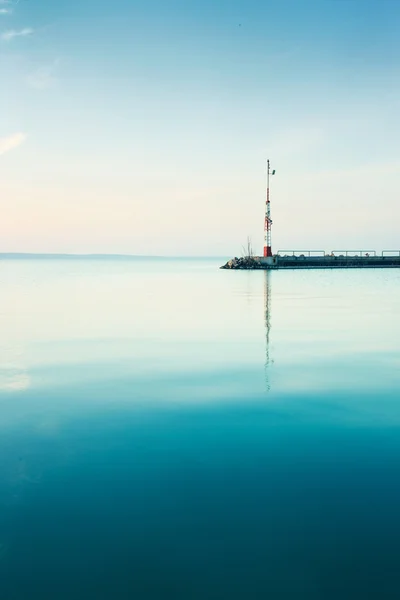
268,221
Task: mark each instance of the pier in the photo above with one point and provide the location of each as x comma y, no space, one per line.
308,260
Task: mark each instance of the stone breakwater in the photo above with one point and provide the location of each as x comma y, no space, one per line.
329,261
247,262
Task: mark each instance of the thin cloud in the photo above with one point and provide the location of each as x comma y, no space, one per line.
12,141
9,6
8,36
44,77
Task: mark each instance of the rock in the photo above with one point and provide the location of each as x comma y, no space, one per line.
247,262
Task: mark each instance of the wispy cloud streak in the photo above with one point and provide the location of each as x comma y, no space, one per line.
12,141
43,77
8,36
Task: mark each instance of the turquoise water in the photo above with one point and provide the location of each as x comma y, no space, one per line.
170,430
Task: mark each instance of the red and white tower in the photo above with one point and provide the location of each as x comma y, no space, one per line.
268,221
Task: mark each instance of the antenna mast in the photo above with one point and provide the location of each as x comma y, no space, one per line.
268,221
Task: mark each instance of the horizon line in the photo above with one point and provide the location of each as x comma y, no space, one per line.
97,255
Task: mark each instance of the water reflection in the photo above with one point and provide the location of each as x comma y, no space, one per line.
143,442
14,379
14,376
267,324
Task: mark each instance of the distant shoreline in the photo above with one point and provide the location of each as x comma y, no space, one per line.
66,256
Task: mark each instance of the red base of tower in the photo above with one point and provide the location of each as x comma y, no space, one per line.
267,251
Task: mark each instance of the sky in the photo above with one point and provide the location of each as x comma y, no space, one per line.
143,126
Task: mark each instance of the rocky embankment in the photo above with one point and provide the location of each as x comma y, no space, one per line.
247,262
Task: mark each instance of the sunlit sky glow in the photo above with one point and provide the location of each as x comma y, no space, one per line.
143,126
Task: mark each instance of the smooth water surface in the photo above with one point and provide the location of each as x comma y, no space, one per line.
171,430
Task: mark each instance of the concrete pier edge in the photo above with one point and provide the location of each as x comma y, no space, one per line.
313,262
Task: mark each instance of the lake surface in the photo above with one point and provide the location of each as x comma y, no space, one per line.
170,430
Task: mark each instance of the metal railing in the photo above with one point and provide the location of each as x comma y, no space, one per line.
336,253
354,253
301,252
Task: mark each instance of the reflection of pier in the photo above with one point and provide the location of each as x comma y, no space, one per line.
267,324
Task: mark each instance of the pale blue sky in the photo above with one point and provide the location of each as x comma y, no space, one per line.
143,126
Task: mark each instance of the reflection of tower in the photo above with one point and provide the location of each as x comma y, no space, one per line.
267,323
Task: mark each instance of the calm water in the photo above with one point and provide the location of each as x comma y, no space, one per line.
170,430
